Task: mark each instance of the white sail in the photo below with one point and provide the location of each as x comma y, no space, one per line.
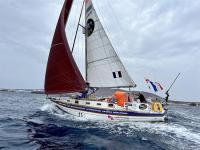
104,68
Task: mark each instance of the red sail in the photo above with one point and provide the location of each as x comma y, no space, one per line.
62,74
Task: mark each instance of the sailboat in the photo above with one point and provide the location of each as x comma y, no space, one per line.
67,89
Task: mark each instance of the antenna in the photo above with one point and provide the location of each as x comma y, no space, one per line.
167,92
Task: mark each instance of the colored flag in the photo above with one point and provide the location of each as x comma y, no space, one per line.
155,85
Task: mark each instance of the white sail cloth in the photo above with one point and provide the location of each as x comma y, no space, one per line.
104,68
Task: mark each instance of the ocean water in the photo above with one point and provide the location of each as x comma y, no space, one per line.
29,121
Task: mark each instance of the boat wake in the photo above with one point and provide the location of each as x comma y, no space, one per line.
171,132
47,107
52,109
167,133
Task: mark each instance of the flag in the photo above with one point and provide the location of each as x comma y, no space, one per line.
155,85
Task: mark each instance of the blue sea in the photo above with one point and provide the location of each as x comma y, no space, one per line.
30,122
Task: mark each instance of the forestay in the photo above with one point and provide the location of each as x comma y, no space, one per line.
104,68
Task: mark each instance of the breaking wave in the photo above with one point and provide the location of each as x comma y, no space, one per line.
168,133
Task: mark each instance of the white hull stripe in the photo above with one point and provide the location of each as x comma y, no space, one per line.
108,112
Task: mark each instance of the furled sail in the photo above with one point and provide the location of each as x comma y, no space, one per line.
62,74
104,68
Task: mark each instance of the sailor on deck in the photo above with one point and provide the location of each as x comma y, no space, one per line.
88,91
141,98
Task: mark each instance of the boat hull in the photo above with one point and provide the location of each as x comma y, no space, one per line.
109,115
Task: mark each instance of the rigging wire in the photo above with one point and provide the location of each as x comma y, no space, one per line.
116,19
110,18
101,19
76,53
71,26
99,29
107,30
110,37
79,48
115,16
100,24
83,52
82,42
77,28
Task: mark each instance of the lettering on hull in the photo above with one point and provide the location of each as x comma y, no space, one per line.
108,112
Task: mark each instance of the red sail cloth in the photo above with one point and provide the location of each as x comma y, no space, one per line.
62,74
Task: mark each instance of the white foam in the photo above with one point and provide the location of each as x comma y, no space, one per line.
174,133
47,107
55,111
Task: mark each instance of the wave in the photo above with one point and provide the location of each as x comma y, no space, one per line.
168,133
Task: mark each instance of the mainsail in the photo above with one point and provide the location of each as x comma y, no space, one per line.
104,68
62,74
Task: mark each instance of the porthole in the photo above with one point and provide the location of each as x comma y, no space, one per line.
110,105
98,104
87,103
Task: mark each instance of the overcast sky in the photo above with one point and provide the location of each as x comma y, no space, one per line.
155,39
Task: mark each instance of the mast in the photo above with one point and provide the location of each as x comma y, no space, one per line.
86,63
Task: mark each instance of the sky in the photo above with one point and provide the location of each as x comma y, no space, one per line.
154,39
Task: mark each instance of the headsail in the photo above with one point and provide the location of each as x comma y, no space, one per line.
104,68
62,74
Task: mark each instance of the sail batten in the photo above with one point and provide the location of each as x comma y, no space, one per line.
104,67
101,59
62,74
